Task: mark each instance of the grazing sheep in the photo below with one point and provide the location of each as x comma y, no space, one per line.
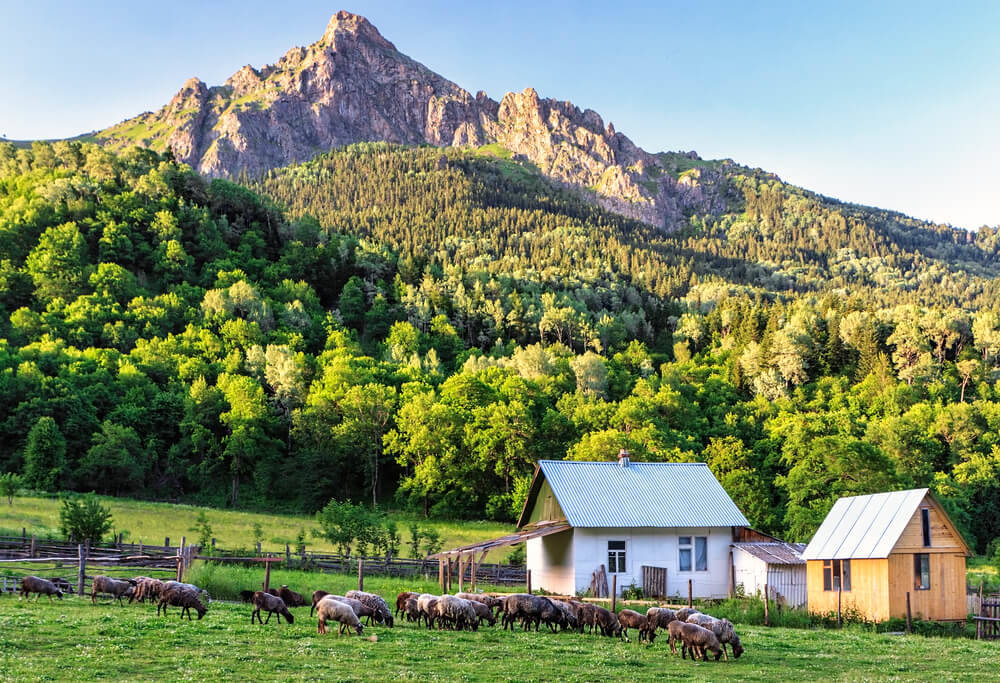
684,612
568,614
290,597
482,598
270,604
401,601
378,606
361,610
246,596
34,584
412,610
522,607
723,630
698,639
586,615
659,617
427,604
62,584
146,588
183,597
632,619
330,609
457,613
608,622
116,588
483,613
317,596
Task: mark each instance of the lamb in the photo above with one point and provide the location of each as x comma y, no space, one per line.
146,588
270,604
632,619
427,604
457,613
317,596
483,613
361,610
412,610
378,606
116,588
723,630
695,639
34,584
330,609
290,597
608,622
659,617
401,601
183,597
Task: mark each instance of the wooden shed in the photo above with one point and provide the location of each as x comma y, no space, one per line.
872,550
774,565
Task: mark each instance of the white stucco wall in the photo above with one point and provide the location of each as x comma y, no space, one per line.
550,559
656,548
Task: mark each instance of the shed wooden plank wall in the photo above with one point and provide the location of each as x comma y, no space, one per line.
868,594
943,538
946,598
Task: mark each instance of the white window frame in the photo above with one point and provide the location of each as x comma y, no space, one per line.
691,547
621,556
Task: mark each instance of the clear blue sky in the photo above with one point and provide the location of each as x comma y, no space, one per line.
892,104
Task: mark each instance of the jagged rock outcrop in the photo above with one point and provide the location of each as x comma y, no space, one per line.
353,85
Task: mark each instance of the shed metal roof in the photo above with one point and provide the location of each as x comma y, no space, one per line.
864,527
645,494
774,553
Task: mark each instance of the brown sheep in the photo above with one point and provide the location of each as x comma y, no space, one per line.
412,609
183,597
632,619
401,601
146,588
270,604
723,630
483,613
378,606
608,622
586,615
116,588
695,639
684,612
330,609
317,596
290,597
659,617
427,604
34,584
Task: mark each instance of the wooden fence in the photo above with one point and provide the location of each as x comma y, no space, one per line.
654,582
165,557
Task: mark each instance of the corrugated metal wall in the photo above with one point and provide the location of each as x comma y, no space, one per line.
787,583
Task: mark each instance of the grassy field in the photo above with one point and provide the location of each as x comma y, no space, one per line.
151,522
74,640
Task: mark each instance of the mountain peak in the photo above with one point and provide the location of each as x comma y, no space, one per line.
345,26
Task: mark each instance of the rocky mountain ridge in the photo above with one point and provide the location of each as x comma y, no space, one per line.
353,85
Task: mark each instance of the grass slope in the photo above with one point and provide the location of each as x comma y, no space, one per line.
151,522
74,640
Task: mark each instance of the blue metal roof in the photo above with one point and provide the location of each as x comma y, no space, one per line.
645,494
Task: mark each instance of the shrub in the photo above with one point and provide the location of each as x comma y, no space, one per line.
10,483
83,518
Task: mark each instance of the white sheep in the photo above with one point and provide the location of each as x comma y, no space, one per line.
330,609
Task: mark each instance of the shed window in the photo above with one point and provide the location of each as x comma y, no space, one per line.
922,572
696,545
835,574
925,521
616,557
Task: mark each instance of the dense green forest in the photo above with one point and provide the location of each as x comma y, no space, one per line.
418,326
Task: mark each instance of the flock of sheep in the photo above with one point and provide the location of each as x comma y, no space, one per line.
697,633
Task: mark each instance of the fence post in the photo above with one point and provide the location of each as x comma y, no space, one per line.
447,588
32,546
473,578
767,612
461,571
267,576
361,573
258,547
213,545
909,621
441,574
166,542
614,591
690,593
840,597
140,546
529,581
82,571
288,556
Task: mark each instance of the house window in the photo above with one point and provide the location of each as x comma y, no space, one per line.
922,572
836,573
616,557
925,521
693,550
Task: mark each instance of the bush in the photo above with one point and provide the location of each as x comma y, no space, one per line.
83,518
10,484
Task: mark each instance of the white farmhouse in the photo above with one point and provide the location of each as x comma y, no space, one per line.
635,519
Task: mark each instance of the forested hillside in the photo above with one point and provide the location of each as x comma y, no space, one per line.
420,325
